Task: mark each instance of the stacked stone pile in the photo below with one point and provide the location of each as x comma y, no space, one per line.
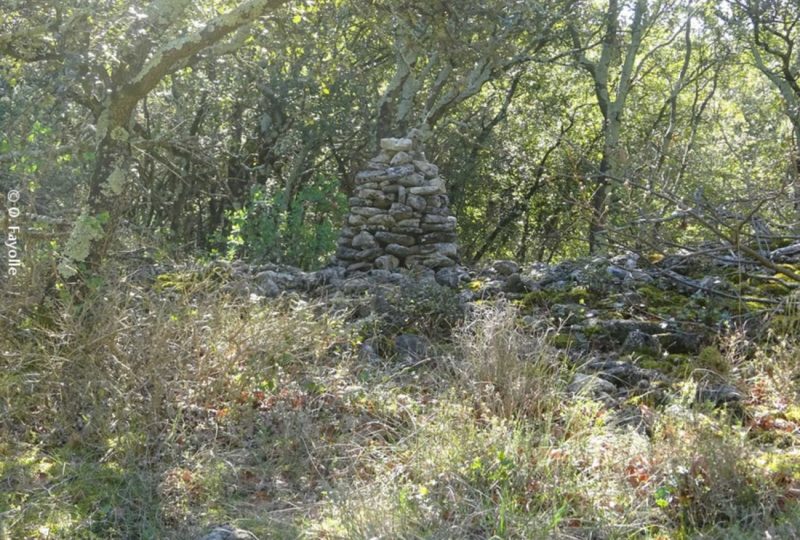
399,215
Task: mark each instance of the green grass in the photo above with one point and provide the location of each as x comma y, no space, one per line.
161,415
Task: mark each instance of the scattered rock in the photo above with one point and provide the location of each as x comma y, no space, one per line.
518,284
266,286
452,276
618,329
719,394
591,385
641,343
411,347
622,373
678,342
505,267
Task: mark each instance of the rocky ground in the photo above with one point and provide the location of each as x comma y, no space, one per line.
595,398
634,327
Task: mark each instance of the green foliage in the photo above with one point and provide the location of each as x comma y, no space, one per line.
301,232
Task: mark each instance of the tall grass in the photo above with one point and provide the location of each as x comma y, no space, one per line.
159,413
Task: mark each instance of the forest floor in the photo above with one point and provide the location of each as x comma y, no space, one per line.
585,400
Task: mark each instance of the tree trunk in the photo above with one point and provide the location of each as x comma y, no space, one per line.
93,232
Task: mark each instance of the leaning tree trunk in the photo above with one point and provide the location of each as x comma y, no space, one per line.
94,230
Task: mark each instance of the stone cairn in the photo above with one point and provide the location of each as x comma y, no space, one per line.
399,214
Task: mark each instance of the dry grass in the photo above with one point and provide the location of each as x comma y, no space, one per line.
509,368
165,412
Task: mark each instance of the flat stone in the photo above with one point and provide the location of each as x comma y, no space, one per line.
438,227
401,211
387,262
428,169
437,260
359,267
347,253
448,249
438,237
394,238
384,220
398,172
400,158
356,220
412,180
382,157
641,343
415,261
364,240
356,201
366,211
370,176
410,222
396,145
434,218
369,254
505,267
425,190
450,276
416,202
370,193
413,231
401,251
590,385
437,182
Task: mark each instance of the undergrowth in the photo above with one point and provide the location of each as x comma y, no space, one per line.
151,414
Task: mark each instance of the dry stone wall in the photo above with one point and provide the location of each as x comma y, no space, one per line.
399,215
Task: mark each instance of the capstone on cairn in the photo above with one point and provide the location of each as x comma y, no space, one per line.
399,215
